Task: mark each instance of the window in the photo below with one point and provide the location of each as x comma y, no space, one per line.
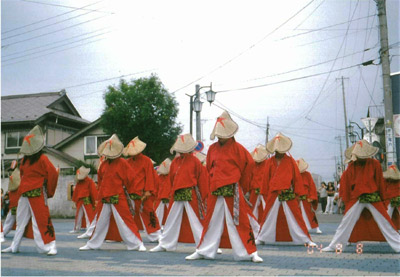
15,139
91,144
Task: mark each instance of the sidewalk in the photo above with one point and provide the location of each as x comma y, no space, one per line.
113,259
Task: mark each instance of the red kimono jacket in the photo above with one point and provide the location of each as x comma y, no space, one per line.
143,170
187,171
112,176
283,177
14,197
34,176
364,177
163,187
310,188
392,190
258,180
85,188
229,164
360,178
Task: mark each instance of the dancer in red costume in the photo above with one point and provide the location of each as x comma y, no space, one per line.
13,185
309,201
38,183
189,189
229,222
362,190
84,196
282,220
163,185
142,193
258,179
392,193
115,178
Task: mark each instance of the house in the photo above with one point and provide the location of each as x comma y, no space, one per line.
57,116
83,144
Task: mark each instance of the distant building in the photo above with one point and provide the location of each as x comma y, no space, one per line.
70,139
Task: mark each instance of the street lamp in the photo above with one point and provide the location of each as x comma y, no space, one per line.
197,105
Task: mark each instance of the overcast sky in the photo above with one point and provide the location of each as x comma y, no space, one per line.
293,52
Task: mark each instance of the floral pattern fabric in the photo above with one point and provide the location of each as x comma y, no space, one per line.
165,200
111,200
33,193
395,201
86,200
135,196
225,191
184,194
286,195
369,197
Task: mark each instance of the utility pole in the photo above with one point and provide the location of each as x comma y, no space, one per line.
341,153
198,120
387,86
345,114
267,133
191,115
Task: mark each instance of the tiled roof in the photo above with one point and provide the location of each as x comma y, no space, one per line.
30,107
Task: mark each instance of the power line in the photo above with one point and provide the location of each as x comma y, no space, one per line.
97,18
249,48
63,6
108,79
291,80
326,27
313,65
52,24
44,50
326,80
308,16
43,20
55,42
83,44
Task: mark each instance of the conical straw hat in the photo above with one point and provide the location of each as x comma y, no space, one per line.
184,144
33,142
392,173
15,180
280,143
301,163
82,173
111,148
134,147
163,169
202,157
347,153
259,153
224,127
362,150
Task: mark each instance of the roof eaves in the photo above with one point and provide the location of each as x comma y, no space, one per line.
64,98
65,157
77,134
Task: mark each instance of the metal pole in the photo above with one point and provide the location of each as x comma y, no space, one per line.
267,134
345,115
191,115
198,119
387,86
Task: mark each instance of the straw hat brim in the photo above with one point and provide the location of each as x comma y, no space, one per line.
391,174
303,166
15,180
281,148
83,173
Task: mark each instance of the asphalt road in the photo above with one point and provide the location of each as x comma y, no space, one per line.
113,258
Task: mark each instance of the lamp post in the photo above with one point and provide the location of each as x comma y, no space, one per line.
196,105
352,133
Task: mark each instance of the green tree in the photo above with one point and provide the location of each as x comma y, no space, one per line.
142,108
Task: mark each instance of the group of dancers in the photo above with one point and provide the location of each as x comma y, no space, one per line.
229,198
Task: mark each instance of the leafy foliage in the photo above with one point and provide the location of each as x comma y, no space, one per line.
142,108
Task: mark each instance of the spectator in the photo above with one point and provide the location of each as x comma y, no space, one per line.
323,196
331,196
